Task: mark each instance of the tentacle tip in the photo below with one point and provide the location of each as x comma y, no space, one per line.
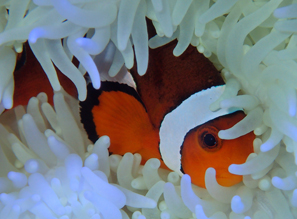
81,99
277,182
186,178
177,52
214,106
236,204
210,170
122,45
32,40
264,148
233,169
80,41
221,134
34,35
279,13
141,71
7,103
96,84
27,117
105,139
56,87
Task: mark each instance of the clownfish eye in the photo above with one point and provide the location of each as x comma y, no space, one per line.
208,138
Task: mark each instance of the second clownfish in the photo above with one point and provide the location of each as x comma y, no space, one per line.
168,117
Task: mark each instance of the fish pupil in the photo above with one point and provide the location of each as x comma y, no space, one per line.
209,140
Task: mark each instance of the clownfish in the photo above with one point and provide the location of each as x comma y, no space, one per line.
167,117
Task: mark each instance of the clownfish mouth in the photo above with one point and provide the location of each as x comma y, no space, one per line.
187,140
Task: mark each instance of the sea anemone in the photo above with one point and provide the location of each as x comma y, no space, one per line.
56,171
48,166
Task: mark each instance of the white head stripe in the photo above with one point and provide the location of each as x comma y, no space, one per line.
192,112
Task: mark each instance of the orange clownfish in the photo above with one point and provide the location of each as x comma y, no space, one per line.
168,117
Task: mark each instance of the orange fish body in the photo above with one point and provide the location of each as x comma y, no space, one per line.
135,121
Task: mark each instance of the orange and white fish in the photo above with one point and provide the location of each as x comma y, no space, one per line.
168,117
